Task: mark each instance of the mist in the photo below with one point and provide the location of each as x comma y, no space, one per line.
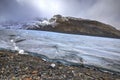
106,11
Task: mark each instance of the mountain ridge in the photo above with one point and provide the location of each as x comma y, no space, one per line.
73,25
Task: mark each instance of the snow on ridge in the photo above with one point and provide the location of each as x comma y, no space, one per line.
42,23
47,22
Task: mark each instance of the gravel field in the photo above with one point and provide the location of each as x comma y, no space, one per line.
14,66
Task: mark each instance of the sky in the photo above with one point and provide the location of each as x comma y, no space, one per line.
107,11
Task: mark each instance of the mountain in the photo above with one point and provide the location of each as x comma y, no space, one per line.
73,25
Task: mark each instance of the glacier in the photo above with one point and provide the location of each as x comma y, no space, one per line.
79,49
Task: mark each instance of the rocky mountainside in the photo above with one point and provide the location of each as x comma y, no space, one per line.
73,25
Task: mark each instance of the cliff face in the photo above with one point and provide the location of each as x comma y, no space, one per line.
78,26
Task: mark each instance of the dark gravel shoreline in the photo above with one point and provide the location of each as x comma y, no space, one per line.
14,66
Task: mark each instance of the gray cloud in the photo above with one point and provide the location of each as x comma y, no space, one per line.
13,10
107,11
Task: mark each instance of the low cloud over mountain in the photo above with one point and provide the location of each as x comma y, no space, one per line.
106,11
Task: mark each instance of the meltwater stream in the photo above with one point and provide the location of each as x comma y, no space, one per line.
96,51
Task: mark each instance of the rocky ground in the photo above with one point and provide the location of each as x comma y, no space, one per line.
14,66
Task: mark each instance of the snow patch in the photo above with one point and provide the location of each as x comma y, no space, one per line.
20,51
52,65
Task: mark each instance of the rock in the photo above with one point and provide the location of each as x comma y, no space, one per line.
79,26
34,72
27,79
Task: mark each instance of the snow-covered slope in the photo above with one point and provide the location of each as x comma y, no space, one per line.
97,51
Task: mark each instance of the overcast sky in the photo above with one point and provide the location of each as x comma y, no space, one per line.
107,11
